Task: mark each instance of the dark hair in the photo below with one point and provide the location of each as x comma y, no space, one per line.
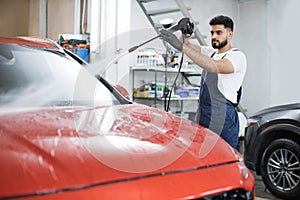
222,20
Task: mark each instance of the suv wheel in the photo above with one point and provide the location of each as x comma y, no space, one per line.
280,168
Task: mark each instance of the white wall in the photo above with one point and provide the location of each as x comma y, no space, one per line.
109,33
266,30
283,38
253,41
269,35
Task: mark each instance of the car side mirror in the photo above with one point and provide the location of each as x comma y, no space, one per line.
122,91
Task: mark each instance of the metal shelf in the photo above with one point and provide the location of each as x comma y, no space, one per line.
162,69
157,99
172,98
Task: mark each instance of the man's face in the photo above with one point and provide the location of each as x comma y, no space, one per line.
219,36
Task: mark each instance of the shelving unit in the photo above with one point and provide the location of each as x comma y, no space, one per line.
157,75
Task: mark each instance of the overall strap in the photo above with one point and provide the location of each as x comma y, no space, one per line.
212,55
225,53
239,92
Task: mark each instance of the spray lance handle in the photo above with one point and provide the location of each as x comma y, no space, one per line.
185,26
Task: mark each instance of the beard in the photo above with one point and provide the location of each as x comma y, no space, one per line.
219,45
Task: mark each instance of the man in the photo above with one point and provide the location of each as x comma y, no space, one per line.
224,68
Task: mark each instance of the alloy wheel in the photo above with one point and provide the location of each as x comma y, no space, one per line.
283,168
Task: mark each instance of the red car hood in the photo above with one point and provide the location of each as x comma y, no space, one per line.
49,149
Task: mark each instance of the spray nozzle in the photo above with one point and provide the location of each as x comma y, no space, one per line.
185,25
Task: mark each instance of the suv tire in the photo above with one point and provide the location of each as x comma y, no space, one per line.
280,168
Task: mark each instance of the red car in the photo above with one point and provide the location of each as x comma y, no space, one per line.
66,134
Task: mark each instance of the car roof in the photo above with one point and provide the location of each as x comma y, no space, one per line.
32,42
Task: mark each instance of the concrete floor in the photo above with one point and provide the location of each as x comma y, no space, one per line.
261,192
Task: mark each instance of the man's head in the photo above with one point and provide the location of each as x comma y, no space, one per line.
221,32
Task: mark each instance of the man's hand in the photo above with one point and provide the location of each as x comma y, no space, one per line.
169,37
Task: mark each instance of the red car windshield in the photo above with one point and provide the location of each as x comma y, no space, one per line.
31,76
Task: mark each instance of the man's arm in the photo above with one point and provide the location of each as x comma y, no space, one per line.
195,47
223,66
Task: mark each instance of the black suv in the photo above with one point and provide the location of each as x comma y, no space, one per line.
272,149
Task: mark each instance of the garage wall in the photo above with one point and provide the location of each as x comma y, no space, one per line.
14,17
60,17
266,30
115,28
34,20
282,34
21,17
254,42
269,38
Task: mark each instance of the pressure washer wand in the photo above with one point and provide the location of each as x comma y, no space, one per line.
181,25
137,46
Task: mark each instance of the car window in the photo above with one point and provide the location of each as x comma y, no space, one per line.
35,77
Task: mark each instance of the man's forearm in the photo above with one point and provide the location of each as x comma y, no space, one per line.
195,47
194,53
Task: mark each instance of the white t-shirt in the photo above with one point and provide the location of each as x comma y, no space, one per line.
229,84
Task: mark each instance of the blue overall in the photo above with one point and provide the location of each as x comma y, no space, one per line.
215,112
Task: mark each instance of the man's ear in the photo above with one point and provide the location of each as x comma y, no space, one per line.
230,34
